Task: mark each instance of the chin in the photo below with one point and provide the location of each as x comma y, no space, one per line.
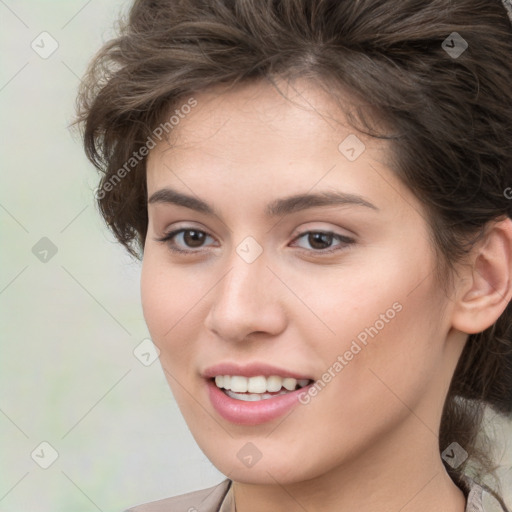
242,462
265,474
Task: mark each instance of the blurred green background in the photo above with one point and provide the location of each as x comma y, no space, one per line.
70,301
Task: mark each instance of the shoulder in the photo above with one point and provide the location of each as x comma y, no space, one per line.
204,500
479,498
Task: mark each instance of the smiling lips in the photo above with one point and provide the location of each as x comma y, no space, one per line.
259,387
253,394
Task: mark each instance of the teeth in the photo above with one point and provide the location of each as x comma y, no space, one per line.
259,384
252,397
238,384
274,383
289,384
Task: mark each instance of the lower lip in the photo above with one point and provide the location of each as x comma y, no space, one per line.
252,413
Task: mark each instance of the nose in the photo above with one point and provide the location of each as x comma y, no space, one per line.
246,301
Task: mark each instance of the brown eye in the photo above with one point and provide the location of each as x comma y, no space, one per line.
181,239
320,241
193,238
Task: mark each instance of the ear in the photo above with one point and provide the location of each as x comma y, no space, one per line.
485,287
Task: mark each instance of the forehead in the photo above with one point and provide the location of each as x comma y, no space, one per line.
296,109
253,140
256,122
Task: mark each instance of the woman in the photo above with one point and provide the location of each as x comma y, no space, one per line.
318,193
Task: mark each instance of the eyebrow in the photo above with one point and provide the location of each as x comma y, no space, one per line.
278,207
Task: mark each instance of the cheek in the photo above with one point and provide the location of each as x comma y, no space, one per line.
383,315
173,305
166,294
164,302
154,296
386,352
165,307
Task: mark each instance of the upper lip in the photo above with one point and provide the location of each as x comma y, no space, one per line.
251,370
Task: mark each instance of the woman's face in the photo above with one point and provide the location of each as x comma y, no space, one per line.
264,290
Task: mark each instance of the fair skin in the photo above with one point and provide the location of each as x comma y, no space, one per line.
368,440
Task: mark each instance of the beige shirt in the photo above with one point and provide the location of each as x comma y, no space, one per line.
219,498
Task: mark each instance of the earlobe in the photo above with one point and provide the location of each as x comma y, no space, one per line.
489,275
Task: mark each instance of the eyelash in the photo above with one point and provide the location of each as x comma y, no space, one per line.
345,241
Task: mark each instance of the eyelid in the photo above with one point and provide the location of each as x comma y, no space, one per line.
169,235
345,241
337,231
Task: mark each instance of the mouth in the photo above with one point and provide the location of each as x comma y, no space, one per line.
256,399
253,393
259,387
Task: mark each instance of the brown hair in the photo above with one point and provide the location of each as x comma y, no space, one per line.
450,120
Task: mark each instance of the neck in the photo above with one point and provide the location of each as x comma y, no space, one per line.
405,474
